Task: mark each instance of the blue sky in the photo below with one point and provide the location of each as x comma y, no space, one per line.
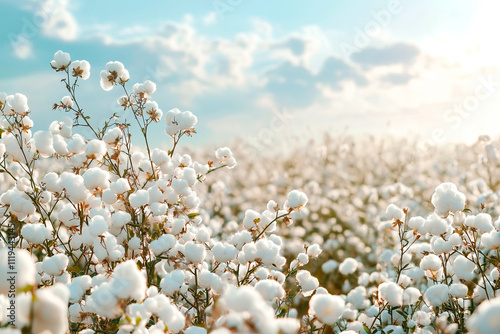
343,67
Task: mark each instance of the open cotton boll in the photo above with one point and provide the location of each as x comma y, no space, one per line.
61,60
491,240
43,143
307,282
23,265
437,295
55,265
128,281
67,101
98,225
430,262
50,310
458,290
120,186
78,286
447,198
162,244
145,89
81,69
464,268
348,266
76,144
172,126
113,136
314,250
391,293
411,296
434,225
95,149
270,290
251,219
224,252
481,222
69,216
327,308
18,103
95,177
394,212
329,266
296,199
35,233
172,282
139,198
186,120
485,318
194,253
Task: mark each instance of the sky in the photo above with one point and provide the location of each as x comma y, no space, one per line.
271,73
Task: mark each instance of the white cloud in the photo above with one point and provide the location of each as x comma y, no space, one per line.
54,19
210,18
22,47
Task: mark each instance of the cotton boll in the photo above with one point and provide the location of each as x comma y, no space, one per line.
162,244
95,149
61,60
327,308
23,265
434,225
393,212
113,136
464,268
134,243
128,281
437,295
67,102
172,282
329,266
307,282
145,89
270,290
43,143
224,252
314,250
225,156
35,233
50,310
458,290
391,293
447,198
485,319
76,144
120,186
55,265
98,225
296,199
411,296
139,198
95,177
194,253
481,222
251,219
430,262
186,120
81,69
348,266
109,197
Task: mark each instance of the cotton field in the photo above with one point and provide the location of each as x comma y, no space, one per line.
110,234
